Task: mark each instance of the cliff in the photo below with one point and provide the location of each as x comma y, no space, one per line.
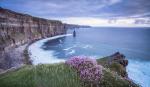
17,29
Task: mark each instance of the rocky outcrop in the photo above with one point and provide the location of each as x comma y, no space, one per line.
116,62
115,72
119,58
119,63
17,29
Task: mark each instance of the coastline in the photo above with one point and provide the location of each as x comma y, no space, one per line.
27,60
21,55
34,49
15,59
20,30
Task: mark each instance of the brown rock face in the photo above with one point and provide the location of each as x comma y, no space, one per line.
117,62
120,58
17,29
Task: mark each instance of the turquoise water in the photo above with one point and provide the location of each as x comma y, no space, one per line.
134,43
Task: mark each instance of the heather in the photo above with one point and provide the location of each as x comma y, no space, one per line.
87,68
81,62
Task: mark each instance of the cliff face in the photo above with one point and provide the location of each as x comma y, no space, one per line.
17,29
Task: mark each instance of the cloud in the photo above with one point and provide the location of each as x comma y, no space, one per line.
129,8
79,8
101,22
57,8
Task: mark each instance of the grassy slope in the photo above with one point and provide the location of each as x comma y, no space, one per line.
58,75
113,75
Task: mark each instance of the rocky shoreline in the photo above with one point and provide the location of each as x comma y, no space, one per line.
18,57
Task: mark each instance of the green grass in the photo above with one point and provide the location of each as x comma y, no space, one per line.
115,67
23,77
111,79
58,75
113,74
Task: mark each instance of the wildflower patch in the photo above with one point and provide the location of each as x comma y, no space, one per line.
87,68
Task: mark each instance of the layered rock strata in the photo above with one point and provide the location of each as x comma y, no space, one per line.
17,29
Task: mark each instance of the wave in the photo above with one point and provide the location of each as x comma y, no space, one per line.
142,71
87,46
71,52
69,48
38,55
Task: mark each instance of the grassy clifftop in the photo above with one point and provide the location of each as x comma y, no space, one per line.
61,75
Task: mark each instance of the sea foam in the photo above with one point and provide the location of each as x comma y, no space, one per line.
139,72
41,56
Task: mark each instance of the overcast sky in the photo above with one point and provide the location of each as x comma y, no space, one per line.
80,8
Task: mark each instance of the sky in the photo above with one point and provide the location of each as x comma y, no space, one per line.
78,11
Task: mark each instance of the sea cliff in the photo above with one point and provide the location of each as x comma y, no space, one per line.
16,30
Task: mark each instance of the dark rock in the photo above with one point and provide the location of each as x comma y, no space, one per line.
120,58
124,62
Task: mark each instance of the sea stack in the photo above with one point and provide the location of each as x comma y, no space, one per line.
74,33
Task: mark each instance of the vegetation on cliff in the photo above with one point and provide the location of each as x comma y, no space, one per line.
62,75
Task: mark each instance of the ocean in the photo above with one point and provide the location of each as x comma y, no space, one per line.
99,42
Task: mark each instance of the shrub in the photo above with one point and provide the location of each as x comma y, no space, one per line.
87,68
81,62
93,74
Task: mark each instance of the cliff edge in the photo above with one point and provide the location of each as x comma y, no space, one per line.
17,29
